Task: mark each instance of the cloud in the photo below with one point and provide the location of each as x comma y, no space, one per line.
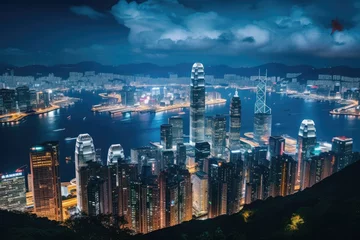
86,11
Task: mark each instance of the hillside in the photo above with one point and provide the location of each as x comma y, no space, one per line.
183,70
328,210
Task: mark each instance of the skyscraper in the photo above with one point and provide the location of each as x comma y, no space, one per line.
342,147
177,129
180,154
147,156
23,98
276,146
282,175
84,153
8,100
115,156
305,146
235,122
166,136
218,135
200,183
197,104
202,151
12,192
44,164
262,116
208,128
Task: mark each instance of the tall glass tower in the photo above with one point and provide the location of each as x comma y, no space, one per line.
305,146
262,116
84,153
235,122
197,104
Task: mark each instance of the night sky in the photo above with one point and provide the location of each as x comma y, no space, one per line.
230,32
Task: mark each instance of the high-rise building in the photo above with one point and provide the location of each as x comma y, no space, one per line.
200,183
276,146
305,146
260,154
8,97
175,196
166,136
23,98
202,151
44,164
167,158
12,192
128,95
235,122
342,147
147,156
262,116
320,167
197,104
282,175
84,154
33,100
180,154
208,128
177,129
115,156
94,194
218,136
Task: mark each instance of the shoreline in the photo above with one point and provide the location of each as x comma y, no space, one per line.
17,117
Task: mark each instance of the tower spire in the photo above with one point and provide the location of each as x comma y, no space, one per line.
236,93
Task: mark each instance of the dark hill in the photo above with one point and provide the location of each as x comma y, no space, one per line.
328,210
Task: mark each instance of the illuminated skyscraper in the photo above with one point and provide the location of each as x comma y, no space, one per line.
218,136
305,146
282,175
115,156
23,98
166,136
262,117
12,192
208,128
46,183
197,104
321,167
177,129
175,196
180,154
342,147
200,192
235,122
147,156
84,153
276,146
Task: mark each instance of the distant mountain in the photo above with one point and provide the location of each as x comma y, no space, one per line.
328,210
183,70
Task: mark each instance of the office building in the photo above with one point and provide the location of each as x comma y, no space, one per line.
12,192
8,97
282,175
84,154
128,96
94,195
200,183
147,156
166,136
175,196
305,147
320,167
44,165
197,104
202,151
218,136
177,129
180,154
276,146
33,99
342,147
23,98
262,116
235,122
208,128
260,154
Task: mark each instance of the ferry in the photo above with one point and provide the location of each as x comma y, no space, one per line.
84,118
181,113
68,159
69,117
70,138
58,130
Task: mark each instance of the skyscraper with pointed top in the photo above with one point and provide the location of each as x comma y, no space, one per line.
235,122
262,116
197,104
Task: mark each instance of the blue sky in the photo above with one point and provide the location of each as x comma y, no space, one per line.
235,33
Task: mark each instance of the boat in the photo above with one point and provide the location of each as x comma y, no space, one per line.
70,138
68,159
69,117
277,124
58,130
181,113
84,118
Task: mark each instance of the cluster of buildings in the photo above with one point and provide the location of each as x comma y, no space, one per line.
23,99
170,182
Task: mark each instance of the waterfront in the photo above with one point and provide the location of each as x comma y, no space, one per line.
139,129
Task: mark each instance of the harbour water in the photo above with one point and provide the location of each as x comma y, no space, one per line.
139,129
